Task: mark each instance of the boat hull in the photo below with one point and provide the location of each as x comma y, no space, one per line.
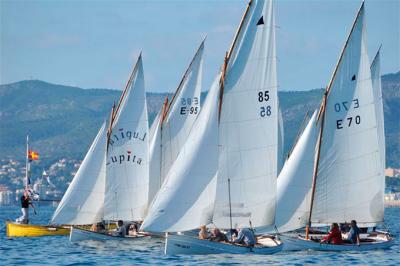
78,234
182,244
30,230
296,242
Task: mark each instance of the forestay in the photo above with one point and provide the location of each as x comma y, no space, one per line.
185,200
83,201
348,182
181,114
127,179
249,125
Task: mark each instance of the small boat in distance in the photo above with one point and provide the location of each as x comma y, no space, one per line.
21,227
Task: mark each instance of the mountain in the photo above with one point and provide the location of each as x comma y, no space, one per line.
62,120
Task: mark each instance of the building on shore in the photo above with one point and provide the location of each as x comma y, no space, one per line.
6,196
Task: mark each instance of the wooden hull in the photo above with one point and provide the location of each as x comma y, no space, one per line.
182,244
30,230
293,243
79,234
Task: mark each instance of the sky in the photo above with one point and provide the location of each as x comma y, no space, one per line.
94,43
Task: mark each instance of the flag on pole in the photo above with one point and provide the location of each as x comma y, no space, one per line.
33,156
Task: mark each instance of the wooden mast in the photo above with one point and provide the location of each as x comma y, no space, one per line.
164,111
322,112
114,110
226,60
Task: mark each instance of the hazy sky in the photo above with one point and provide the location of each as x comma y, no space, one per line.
93,44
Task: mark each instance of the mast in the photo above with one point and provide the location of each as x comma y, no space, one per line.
110,125
227,57
322,112
328,88
230,206
164,111
115,110
178,89
27,164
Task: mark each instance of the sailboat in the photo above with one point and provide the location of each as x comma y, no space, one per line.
22,228
95,181
214,179
112,182
336,170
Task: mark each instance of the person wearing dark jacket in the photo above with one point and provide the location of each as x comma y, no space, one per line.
217,235
25,203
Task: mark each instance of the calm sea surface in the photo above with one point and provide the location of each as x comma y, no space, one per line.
57,250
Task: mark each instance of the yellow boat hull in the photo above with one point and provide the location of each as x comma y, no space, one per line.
30,230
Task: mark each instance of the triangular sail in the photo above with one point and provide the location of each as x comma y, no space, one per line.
155,153
348,182
127,163
294,182
249,125
377,89
185,200
181,114
281,143
82,203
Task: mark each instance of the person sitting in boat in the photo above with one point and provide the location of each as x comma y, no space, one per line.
98,227
121,229
245,237
25,202
354,233
217,235
133,229
203,233
344,228
334,237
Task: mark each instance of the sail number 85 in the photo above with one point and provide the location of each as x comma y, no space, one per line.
263,96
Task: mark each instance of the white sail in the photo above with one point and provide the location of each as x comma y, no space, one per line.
181,114
295,181
82,203
281,143
377,89
155,156
185,200
127,165
249,125
348,182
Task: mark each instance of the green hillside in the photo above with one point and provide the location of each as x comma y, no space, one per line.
63,120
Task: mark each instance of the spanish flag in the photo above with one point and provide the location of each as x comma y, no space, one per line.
33,155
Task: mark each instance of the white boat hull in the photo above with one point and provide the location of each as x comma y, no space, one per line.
297,242
77,235
182,244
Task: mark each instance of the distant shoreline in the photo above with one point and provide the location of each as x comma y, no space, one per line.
392,203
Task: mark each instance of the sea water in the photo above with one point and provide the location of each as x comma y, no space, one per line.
57,250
